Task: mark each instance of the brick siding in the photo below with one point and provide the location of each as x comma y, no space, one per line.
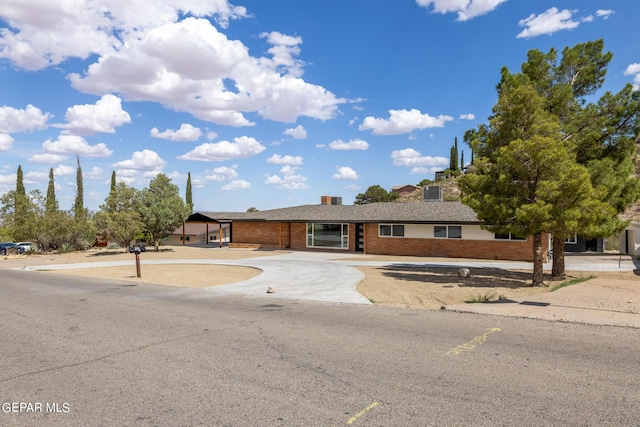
294,236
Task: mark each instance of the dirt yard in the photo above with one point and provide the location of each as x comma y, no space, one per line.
401,285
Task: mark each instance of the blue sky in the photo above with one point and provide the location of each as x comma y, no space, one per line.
268,104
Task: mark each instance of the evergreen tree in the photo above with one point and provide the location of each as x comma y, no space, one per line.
601,134
375,194
78,208
21,208
118,217
455,155
462,160
188,195
527,181
51,204
110,201
161,208
20,190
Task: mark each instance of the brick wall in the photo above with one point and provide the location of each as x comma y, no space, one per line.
267,234
294,236
449,248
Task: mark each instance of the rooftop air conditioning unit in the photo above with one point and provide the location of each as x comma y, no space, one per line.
433,193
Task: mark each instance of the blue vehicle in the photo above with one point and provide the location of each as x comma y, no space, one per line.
5,247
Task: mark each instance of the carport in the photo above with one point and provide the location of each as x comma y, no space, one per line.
216,221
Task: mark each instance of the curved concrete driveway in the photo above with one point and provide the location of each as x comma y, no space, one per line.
305,276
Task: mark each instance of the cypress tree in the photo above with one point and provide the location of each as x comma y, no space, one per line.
78,208
188,195
51,204
455,154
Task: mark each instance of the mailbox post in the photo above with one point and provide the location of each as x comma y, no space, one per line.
136,250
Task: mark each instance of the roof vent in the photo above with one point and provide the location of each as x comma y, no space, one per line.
433,193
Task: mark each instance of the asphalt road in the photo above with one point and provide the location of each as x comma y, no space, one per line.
105,353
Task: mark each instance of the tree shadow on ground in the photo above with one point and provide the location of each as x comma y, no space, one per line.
480,277
122,251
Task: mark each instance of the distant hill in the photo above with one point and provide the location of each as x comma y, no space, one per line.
450,192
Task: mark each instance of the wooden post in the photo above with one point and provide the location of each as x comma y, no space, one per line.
220,233
207,234
183,241
138,265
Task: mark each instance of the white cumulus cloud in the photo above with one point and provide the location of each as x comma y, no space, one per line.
402,121
63,170
48,158
74,144
354,144
6,142
186,132
191,66
31,118
634,70
47,32
291,181
222,173
548,22
102,117
145,160
345,172
236,185
412,158
466,9
241,148
469,116
277,159
298,132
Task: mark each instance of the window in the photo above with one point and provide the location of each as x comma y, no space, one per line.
391,230
447,231
332,236
573,240
507,236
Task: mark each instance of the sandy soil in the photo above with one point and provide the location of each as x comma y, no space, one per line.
401,286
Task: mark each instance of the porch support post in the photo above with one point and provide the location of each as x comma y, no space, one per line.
220,233
206,234
183,242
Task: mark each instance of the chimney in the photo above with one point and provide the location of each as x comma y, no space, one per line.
328,200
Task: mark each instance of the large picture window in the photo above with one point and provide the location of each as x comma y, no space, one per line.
332,236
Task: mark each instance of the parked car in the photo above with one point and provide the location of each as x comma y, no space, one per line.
5,247
28,246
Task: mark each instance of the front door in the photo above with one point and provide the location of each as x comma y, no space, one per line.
359,237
